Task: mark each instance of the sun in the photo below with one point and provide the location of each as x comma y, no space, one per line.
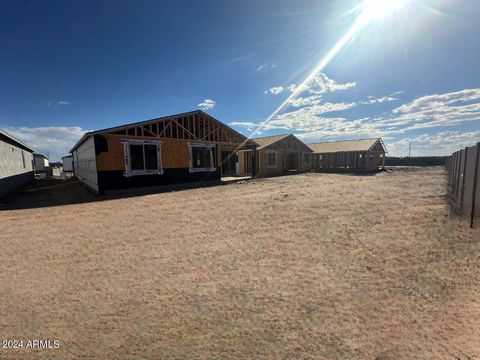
376,9
367,12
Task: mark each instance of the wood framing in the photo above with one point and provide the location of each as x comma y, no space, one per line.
179,148
349,155
282,154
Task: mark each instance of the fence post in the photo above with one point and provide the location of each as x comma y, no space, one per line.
463,179
457,185
475,182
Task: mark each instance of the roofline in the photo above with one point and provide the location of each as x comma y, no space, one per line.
15,140
379,139
40,155
282,136
383,144
138,123
336,141
247,139
264,137
119,127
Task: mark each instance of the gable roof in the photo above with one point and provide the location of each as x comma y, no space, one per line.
40,155
269,140
13,141
345,145
146,122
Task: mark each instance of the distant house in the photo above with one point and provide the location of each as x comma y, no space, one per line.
55,169
41,163
365,154
67,163
281,154
185,147
16,163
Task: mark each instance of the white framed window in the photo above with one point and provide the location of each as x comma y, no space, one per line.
142,157
201,157
271,159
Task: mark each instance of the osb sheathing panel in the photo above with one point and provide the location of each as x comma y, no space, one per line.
242,156
175,154
264,170
241,163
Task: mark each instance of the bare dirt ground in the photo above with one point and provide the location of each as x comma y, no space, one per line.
312,266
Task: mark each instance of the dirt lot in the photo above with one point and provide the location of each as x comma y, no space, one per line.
313,266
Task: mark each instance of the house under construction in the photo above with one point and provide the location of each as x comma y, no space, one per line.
348,155
180,148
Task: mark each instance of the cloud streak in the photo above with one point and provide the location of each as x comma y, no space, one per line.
318,85
266,67
58,103
311,118
274,90
207,104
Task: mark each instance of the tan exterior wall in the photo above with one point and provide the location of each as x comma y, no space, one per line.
349,160
374,161
175,152
263,169
241,163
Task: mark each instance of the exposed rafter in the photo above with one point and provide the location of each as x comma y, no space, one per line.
191,127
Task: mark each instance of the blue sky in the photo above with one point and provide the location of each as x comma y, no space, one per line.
72,66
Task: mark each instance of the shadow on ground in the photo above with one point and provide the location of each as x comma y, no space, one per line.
57,192
69,191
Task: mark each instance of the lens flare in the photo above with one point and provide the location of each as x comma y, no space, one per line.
376,9
370,11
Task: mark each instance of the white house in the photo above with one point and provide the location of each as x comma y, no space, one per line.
16,163
67,163
41,163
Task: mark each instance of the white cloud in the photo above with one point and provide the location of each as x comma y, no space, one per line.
437,101
378,100
58,103
266,67
292,87
249,125
275,90
306,101
438,144
55,140
307,118
439,110
321,84
207,104
436,110
318,85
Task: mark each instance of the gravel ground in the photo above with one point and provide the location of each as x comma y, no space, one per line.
310,266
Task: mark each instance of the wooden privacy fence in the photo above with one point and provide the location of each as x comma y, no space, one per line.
463,182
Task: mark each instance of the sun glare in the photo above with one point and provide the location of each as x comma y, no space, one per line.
376,9
369,11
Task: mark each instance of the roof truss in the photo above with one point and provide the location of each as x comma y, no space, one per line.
190,126
288,143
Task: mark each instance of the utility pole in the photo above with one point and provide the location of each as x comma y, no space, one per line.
409,149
